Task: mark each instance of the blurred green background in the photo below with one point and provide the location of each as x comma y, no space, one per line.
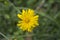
49,19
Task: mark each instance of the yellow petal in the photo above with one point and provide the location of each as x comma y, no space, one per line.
19,16
36,16
23,12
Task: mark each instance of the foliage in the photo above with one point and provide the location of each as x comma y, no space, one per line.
49,19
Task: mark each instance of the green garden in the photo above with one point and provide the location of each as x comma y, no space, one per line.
49,19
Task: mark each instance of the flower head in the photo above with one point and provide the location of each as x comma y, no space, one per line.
28,20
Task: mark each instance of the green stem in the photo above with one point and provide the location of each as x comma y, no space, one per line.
3,35
14,6
28,37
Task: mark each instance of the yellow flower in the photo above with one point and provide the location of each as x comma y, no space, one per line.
28,20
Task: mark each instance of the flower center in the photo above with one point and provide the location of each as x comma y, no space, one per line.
27,20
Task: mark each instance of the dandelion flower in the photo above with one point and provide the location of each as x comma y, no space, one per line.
28,20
